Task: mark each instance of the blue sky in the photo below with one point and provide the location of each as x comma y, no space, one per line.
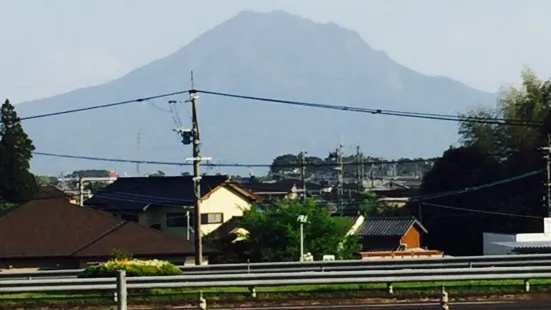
49,47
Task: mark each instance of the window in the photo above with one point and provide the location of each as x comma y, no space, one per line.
176,219
212,218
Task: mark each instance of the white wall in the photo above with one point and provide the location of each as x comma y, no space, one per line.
489,248
490,239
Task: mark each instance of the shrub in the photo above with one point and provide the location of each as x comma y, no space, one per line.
133,267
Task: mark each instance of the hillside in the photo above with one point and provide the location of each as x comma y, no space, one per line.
264,54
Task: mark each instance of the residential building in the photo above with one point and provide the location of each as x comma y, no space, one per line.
166,203
522,243
53,233
285,189
391,237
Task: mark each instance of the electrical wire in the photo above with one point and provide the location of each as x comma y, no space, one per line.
480,211
473,188
102,106
245,165
470,119
433,116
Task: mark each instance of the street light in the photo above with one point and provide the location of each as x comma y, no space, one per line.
302,219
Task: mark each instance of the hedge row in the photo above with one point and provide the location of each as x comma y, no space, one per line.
133,267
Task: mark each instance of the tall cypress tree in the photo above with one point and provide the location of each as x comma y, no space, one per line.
17,183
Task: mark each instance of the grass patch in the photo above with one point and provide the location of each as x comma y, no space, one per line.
415,290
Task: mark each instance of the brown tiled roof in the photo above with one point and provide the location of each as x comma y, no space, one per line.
51,192
56,228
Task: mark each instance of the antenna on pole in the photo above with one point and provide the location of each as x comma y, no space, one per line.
192,80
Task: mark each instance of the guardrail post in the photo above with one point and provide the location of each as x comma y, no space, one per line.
527,285
390,288
444,299
121,290
252,291
202,302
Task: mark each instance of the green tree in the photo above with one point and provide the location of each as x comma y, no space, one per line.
157,174
284,164
43,180
94,187
274,232
90,173
364,204
529,103
17,183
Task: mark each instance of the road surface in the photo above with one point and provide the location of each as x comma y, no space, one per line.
505,305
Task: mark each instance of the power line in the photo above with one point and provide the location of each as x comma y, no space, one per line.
480,211
470,119
433,116
246,165
108,105
473,188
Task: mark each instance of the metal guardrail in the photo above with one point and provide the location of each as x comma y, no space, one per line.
272,279
121,284
325,266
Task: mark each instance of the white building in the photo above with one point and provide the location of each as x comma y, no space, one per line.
502,244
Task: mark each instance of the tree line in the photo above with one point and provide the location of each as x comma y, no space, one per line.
490,152
289,165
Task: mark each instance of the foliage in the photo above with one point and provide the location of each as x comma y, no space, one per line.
89,173
119,254
529,103
17,183
6,205
490,152
158,174
289,165
367,204
274,233
94,187
133,267
43,180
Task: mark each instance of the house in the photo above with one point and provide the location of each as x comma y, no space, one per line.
397,188
284,189
53,233
166,203
522,243
391,237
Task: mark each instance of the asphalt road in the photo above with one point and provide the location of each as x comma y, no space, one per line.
506,305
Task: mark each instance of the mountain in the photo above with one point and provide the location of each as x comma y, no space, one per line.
274,54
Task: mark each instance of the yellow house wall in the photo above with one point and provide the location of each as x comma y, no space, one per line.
221,200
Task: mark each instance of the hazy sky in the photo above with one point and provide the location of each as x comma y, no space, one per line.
53,46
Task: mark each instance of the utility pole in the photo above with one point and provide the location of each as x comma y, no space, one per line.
302,158
196,174
138,140
547,150
192,137
359,169
340,178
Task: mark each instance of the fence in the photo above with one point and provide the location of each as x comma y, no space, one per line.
326,266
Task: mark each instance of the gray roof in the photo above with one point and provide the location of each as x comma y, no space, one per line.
525,244
388,226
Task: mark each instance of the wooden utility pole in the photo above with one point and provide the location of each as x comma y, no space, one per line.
196,175
340,178
359,169
302,158
547,150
